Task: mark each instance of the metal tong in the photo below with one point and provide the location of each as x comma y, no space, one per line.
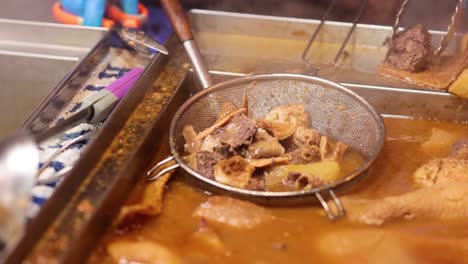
451,29
94,110
317,67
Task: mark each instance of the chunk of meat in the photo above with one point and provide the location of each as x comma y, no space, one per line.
281,130
460,149
266,149
205,163
237,132
304,155
299,181
331,152
257,184
304,136
261,134
147,252
439,171
233,212
235,171
192,144
444,201
368,245
410,50
292,113
211,144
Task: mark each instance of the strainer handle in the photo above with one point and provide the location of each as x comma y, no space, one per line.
179,21
340,212
158,167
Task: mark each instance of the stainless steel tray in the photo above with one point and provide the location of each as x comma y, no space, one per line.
83,206
34,57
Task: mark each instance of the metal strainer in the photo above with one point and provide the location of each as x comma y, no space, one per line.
333,110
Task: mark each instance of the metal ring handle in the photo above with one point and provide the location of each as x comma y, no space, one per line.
339,206
163,171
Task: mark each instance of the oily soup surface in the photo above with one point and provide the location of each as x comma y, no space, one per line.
304,234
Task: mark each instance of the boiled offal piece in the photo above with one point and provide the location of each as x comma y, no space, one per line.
283,120
232,212
443,193
235,171
266,146
445,202
237,132
206,161
410,50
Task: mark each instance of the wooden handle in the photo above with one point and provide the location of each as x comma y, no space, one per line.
179,21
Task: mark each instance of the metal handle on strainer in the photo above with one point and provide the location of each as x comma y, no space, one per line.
340,211
158,166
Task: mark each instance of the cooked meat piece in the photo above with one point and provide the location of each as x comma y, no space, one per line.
232,212
235,171
281,130
266,149
218,124
331,152
227,108
299,181
237,132
293,113
445,201
460,149
306,137
442,171
410,50
212,144
305,155
256,184
262,134
205,238
206,161
339,151
368,245
141,251
283,120
192,144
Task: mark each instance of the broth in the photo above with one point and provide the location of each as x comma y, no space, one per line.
296,235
